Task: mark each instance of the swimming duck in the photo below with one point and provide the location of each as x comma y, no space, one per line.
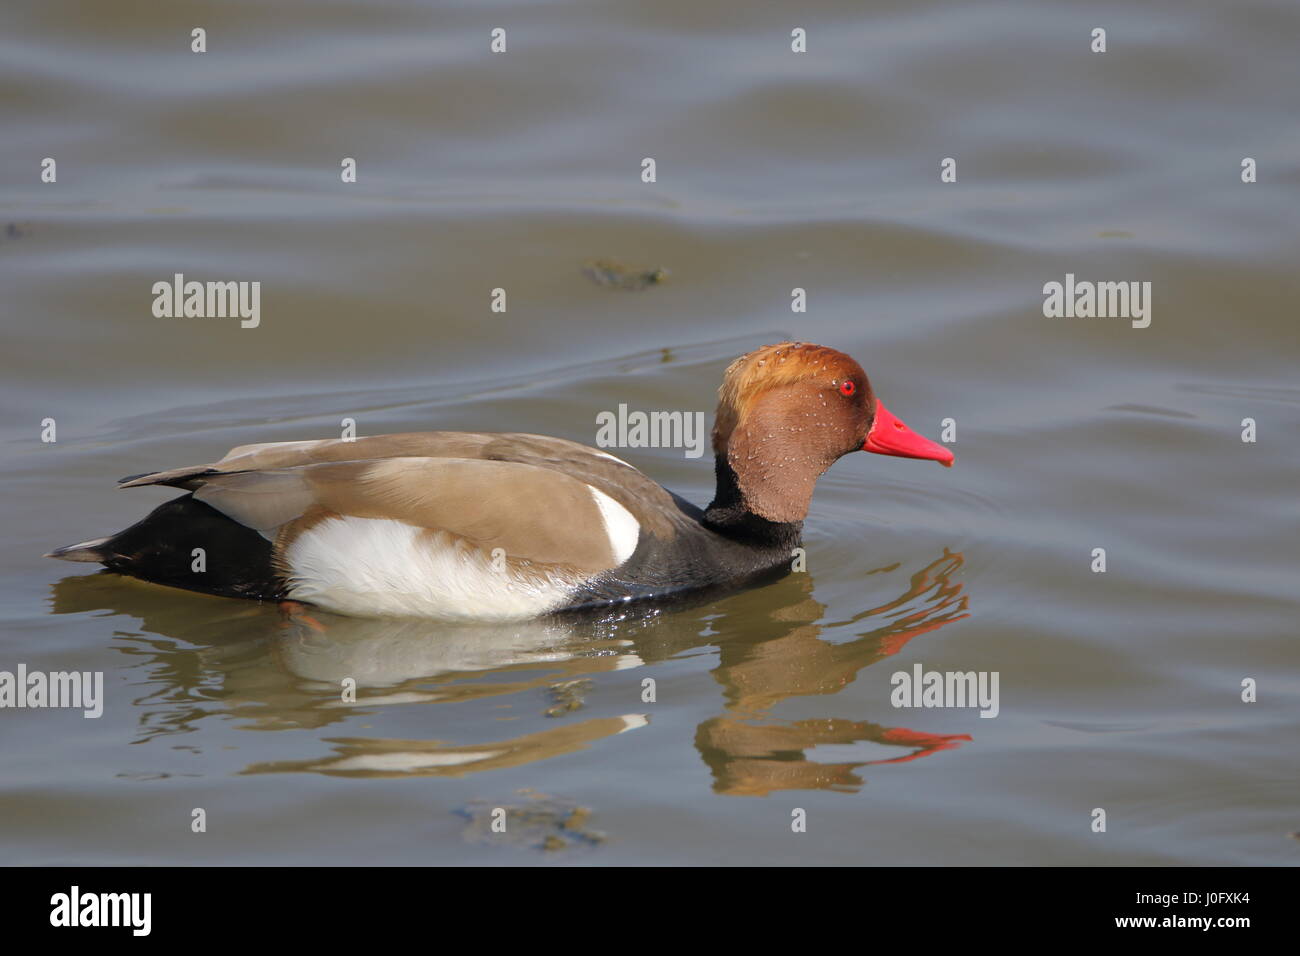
506,526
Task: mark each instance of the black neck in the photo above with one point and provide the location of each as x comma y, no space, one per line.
728,515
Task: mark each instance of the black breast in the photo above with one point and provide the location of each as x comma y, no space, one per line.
695,559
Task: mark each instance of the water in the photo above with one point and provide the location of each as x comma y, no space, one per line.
1119,690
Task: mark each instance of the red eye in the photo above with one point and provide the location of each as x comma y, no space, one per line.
847,387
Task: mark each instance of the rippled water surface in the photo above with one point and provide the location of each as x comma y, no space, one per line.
775,170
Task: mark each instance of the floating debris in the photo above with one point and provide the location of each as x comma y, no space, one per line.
615,275
547,824
567,696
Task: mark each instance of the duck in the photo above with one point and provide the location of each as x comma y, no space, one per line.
465,526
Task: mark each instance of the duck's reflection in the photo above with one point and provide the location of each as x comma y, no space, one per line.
294,667
750,754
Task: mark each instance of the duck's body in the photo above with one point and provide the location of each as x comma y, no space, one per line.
469,526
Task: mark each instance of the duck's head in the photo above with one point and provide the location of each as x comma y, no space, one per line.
787,412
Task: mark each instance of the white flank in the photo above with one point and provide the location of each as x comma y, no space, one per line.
377,567
621,528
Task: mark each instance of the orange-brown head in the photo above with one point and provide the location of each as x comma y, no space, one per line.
787,412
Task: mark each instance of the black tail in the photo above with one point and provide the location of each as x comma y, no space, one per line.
235,561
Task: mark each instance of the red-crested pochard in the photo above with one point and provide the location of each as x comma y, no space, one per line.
467,526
